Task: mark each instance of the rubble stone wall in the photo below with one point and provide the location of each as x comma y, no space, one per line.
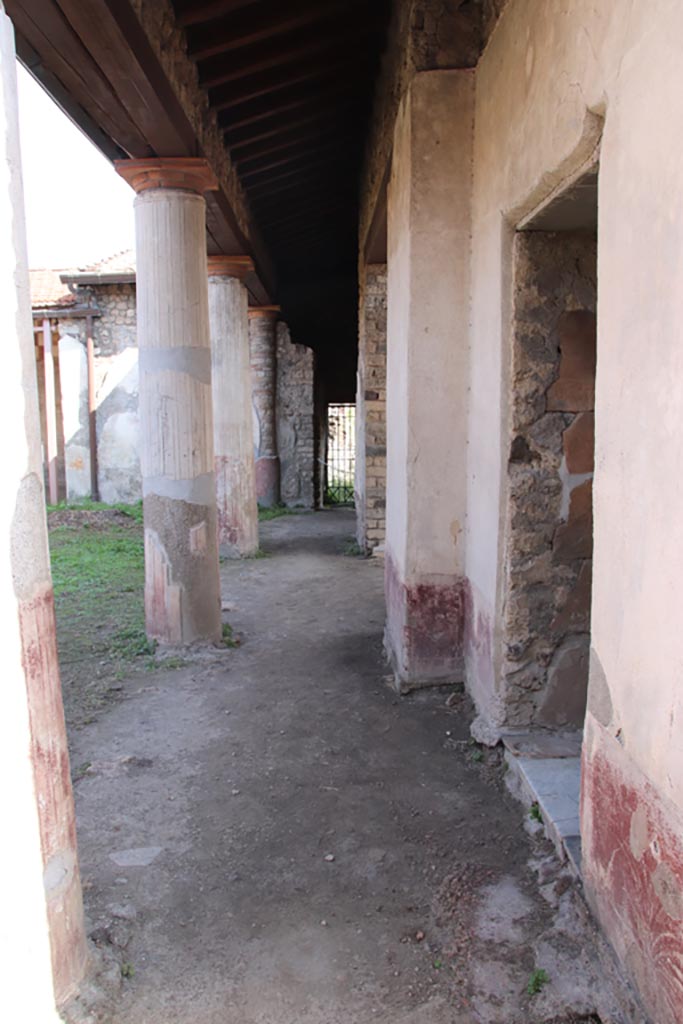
295,420
371,443
549,538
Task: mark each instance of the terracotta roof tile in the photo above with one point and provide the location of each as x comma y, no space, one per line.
48,291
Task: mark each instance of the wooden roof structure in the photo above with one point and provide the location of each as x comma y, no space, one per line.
290,84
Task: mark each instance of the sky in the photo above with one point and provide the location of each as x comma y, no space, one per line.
78,210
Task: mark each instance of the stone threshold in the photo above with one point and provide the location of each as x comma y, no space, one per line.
546,768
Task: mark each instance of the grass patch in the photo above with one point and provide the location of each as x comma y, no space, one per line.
352,549
229,638
276,511
88,505
535,813
98,575
537,980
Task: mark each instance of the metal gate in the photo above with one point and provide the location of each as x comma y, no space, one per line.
341,454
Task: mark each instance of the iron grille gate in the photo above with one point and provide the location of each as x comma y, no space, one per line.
341,454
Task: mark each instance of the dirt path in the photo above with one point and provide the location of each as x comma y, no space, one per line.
268,835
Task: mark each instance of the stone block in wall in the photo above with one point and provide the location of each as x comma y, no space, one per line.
574,539
564,695
578,442
574,389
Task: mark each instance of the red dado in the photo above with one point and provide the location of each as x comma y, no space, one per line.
633,869
425,628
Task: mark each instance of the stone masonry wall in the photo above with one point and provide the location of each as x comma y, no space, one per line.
549,539
295,420
371,408
116,393
423,35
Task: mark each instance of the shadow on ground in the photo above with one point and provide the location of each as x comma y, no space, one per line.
269,835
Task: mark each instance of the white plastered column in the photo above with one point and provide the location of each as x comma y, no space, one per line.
232,411
429,211
42,939
182,592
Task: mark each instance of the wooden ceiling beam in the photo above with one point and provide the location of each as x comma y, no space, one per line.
265,207
278,54
248,173
285,127
315,101
315,170
312,213
312,131
256,87
193,13
255,26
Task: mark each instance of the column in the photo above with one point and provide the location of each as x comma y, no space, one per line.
262,342
232,416
182,594
427,364
42,937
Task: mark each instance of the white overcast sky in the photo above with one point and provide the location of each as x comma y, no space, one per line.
78,210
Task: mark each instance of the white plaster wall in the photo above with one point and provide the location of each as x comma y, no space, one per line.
73,372
549,73
427,328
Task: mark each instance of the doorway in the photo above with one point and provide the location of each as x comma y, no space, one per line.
549,528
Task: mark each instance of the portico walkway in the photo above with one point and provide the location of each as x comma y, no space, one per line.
270,835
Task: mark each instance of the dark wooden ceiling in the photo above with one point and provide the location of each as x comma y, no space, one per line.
292,82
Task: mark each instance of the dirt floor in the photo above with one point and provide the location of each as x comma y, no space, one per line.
269,835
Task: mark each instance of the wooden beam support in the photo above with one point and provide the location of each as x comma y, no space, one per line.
217,71
235,118
315,133
255,87
254,26
305,156
285,126
195,13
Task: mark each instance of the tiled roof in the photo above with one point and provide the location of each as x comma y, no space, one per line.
118,263
48,291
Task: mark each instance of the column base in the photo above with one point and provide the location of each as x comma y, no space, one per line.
236,507
182,598
268,480
424,633
632,863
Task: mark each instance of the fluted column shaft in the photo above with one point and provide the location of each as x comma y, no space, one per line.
232,415
182,593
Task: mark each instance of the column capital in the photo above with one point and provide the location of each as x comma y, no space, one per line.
189,174
230,266
264,312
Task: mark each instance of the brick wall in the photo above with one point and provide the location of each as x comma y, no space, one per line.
295,420
371,408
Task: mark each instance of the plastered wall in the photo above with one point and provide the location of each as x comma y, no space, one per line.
553,82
